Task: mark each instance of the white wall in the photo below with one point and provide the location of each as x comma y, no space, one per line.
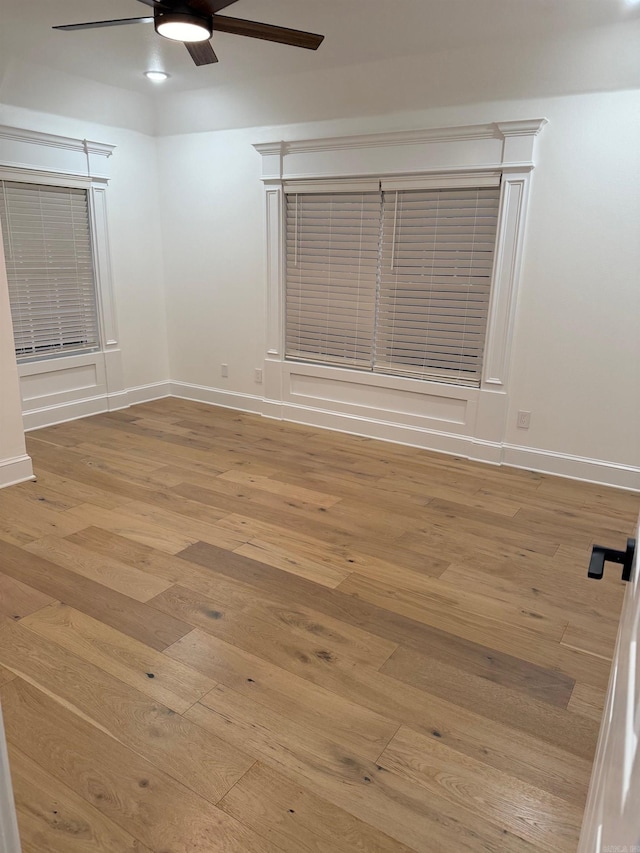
576,356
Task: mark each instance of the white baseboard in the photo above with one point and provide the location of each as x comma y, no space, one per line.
62,412
218,397
426,439
15,470
84,408
573,467
147,393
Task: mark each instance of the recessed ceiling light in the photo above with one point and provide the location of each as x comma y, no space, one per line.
156,76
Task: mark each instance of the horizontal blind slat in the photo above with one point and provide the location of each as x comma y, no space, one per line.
436,266
46,234
332,261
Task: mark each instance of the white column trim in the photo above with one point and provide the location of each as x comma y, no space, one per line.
102,264
275,268
511,230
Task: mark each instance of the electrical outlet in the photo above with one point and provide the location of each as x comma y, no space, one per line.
224,370
524,420
259,375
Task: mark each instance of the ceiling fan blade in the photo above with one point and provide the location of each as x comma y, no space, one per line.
201,52
256,30
207,7
156,4
210,7
94,25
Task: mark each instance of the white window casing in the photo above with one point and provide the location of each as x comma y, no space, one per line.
78,381
450,414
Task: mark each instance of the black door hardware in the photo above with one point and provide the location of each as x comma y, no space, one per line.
600,556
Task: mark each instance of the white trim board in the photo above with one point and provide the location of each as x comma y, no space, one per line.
16,470
72,411
573,467
218,397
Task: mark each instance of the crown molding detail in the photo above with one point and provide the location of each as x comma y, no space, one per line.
486,146
522,128
64,155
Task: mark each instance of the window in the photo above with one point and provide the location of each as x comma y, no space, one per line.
49,259
394,281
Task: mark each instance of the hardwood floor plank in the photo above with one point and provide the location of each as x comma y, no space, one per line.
283,558
328,524
599,641
560,579
441,604
74,492
341,553
175,685
546,821
496,626
548,535
473,657
122,785
300,700
35,520
380,492
504,747
545,722
382,798
588,701
466,495
149,532
113,608
136,554
238,615
201,522
596,610
18,600
274,487
6,676
34,491
105,571
205,764
297,820
53,818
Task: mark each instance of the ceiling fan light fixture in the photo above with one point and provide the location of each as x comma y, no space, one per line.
183,26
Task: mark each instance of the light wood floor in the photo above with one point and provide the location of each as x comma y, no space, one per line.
223,633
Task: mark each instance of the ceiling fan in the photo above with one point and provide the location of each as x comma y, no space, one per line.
194,22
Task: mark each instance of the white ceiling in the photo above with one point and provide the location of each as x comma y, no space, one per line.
356,31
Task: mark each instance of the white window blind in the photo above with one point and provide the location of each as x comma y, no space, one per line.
47,244
395,281
435,277
332,263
